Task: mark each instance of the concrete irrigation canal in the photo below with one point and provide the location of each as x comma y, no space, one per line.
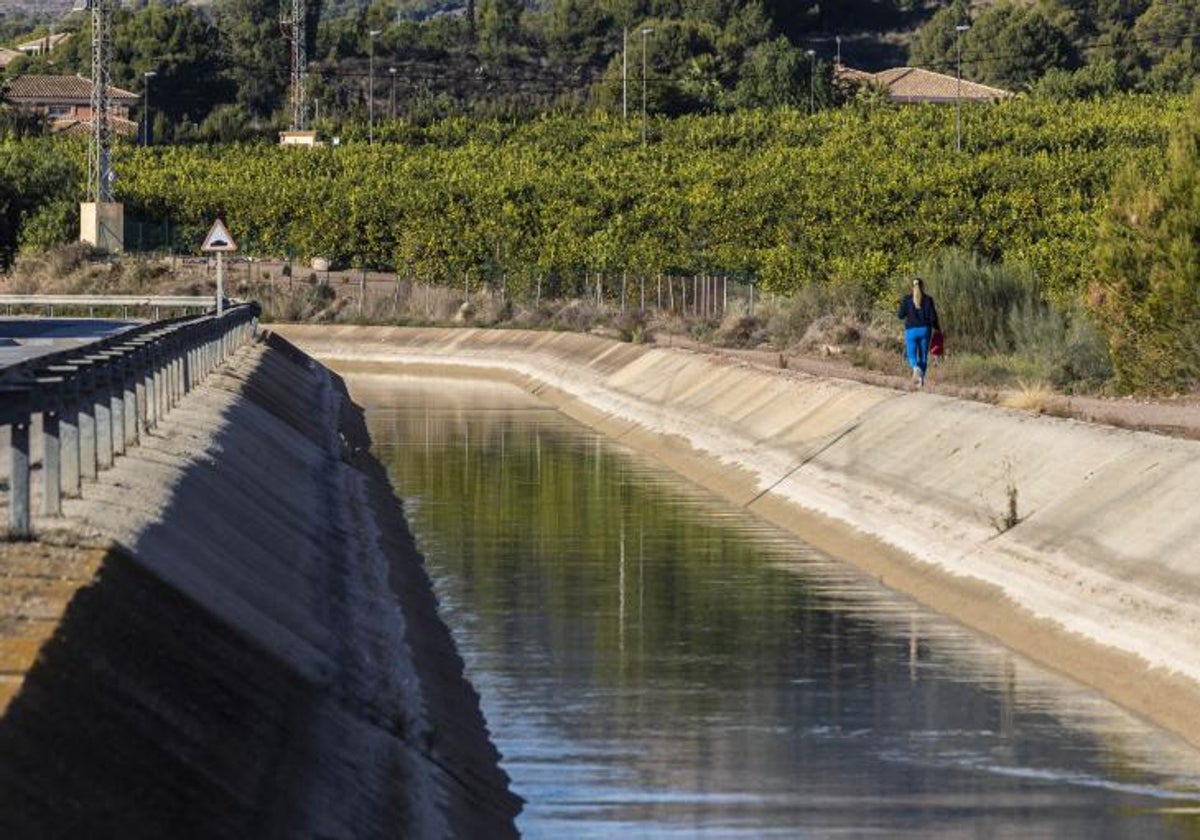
695,597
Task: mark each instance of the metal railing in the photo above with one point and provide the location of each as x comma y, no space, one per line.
152,303
96,400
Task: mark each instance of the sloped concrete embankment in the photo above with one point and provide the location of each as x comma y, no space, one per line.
235,638
1075,544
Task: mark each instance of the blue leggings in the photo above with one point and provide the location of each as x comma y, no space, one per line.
916,343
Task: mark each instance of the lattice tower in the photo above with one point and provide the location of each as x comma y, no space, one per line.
293,24
99,174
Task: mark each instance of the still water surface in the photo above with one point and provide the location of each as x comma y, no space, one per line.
655,663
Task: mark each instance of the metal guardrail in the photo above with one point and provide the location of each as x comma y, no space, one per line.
155,303
97,399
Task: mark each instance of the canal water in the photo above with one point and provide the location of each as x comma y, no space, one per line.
655,663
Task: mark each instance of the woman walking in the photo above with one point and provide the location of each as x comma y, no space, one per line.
920,320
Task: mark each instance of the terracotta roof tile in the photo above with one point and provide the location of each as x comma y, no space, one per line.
119,125
914,84
38,89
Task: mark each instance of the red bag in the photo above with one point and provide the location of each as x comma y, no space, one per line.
937,345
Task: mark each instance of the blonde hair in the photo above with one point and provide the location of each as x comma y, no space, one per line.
918,292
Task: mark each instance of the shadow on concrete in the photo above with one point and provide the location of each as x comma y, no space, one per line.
143,716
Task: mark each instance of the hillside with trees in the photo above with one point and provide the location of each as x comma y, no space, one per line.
222,70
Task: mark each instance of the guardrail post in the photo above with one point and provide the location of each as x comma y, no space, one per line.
51,464
177,351
172,345
19,520
144,390
102,412
151,389
68,432
116,396
162,379
188,364
87,436
130,399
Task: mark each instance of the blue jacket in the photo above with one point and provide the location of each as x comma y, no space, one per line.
926,316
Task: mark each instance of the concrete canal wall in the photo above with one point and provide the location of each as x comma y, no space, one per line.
1077,545
231,635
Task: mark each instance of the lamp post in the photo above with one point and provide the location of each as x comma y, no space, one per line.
812,80
646,30
371,88
958,31
147,76
392,73
625,73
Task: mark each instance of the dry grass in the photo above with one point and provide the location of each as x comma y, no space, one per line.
1034,397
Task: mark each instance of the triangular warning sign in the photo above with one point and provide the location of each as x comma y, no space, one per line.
218,239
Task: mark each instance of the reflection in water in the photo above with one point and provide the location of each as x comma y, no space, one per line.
655,663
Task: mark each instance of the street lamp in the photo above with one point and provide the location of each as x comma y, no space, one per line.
147,76
646,30
625,73
371,88
958,31
392,73
812,80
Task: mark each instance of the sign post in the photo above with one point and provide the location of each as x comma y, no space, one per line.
219,241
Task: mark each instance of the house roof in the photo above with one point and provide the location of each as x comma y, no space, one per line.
46,42
915,84
841,71
118,125
34,89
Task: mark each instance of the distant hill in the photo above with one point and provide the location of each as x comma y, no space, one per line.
53,8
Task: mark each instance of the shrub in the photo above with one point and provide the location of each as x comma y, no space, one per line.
848,307
976,299
1147,290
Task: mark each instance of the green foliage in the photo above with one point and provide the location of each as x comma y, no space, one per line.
1165,35
180,47
256,56
1146,292
38,178
1011,46
843,199
18,123
774,74
980,302
1099,78
226,124
936,43
499,23
53,223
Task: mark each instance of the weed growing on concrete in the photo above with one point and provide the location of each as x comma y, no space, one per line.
1010,517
